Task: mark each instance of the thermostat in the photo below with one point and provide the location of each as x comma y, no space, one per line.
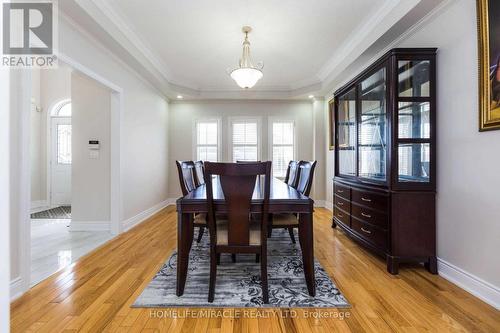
94,144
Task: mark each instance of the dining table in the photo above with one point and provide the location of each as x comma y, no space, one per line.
283,199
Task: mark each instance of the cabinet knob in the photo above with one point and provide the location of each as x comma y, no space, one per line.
365,231
366,199
366,215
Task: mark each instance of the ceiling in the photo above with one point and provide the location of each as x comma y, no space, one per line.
186,47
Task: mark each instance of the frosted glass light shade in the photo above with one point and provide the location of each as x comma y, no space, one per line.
246,77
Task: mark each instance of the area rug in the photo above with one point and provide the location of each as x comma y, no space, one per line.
62,212
238,284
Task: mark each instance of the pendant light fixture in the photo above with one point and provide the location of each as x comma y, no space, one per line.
247,75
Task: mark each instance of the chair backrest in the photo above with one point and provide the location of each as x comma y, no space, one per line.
238,182
246,162
186,176
198,170
292,173
306,173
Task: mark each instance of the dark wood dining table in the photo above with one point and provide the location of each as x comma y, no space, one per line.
283,199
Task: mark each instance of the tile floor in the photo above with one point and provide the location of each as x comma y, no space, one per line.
53,246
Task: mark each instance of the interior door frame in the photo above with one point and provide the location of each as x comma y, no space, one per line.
25,162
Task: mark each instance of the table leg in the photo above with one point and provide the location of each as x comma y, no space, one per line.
185,234
307,247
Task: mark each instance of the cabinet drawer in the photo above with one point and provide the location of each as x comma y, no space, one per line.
342,216
342,203
369,216
370,199
370,233
343,191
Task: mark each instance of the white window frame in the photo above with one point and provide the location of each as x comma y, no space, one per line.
219,136
231,121
271,122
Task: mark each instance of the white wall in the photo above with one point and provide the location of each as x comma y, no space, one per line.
90,177
36,120
144,137
184,114
468,199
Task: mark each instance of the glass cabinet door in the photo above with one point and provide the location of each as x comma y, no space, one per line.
414,121
346,133
372,137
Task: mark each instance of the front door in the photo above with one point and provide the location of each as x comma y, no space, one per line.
60,161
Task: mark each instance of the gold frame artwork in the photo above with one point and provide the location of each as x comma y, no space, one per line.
489,109
331,125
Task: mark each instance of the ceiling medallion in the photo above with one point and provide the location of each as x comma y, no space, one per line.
247,75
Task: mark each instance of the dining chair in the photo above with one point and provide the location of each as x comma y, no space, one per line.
198,170
186,170
246,162
238,233
292,173
304,182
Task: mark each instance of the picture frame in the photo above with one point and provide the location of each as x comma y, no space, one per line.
488,12
331,124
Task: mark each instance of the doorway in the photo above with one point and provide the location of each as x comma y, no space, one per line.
59,156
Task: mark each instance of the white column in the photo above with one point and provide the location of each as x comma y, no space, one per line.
4,201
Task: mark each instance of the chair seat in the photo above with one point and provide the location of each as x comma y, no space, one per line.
200,218
222,233
285,219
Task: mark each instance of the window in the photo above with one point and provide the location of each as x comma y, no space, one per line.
283,146
207,140
64,143
245,135
62,109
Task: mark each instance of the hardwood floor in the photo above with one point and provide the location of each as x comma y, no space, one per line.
95,293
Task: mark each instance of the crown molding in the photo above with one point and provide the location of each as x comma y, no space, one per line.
113,23
412,30
65,19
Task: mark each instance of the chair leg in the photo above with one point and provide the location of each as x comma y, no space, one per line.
290,232
263,277
233,257
213,275
218,258
201,230
257,258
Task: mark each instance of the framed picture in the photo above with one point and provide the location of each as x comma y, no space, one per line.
331,124
488,12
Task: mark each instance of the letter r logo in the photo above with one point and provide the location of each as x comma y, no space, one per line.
27,28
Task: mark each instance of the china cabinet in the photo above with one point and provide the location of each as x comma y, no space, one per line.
385,158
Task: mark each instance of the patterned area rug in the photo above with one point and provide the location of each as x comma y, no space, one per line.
238,284
62,212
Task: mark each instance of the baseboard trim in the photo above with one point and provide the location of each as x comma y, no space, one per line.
329,205
90,226
16,288
319,203
470,283
142,216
